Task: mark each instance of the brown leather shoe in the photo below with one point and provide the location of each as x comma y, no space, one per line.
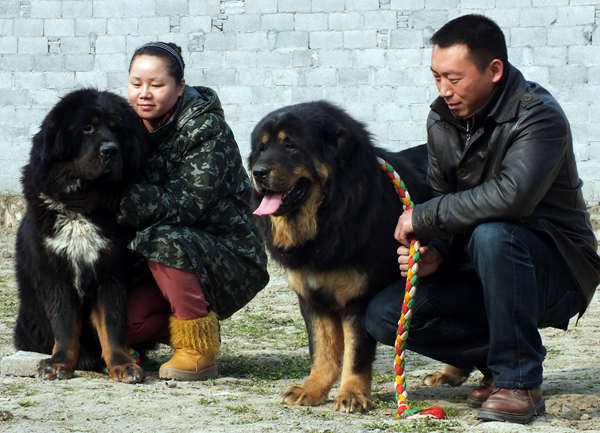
513,405
482,392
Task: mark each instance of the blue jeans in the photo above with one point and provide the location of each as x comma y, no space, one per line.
487,315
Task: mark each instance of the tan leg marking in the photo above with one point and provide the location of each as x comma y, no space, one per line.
328,346
64,355
355,389
118,362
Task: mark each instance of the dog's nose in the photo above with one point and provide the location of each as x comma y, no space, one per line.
108,150
260,172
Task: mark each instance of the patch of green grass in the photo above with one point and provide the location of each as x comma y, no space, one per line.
179,393
257,327
383,402
380,378
241,409
259,387
290,367
14,388
27,403
451,412
417,362
425,425
456,398
206,401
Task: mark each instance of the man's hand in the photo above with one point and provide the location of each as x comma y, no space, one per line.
429,263
404,228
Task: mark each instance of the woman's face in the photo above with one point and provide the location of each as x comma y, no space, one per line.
152,90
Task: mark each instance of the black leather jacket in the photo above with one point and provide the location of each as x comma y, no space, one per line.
516,164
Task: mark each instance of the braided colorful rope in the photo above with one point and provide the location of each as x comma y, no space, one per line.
404,409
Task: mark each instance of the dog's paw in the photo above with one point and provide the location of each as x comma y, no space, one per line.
352,401
127,373
300,396
450,375
54,370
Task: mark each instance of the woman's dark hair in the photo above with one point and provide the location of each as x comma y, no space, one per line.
167,50
481,35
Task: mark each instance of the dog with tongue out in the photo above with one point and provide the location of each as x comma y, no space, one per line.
327,213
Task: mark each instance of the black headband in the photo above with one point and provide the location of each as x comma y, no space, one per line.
166,48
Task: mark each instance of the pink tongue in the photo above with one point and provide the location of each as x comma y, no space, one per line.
269,205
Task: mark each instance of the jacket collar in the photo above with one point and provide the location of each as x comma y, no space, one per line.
193,102
507,105
501,108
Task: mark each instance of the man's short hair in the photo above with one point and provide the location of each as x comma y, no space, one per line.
481,35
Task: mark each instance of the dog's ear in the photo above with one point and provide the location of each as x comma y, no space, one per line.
344,143
49,142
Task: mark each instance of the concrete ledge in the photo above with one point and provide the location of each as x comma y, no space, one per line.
22,363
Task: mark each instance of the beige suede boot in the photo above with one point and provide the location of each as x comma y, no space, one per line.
196,343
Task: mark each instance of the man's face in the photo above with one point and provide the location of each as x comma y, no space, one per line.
464,87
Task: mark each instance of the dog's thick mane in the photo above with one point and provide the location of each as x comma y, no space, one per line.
356,192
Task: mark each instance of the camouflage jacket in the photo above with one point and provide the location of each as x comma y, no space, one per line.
192,211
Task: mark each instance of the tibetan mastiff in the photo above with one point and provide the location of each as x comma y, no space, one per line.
72,268
328,212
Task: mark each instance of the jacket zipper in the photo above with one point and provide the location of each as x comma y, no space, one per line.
468,136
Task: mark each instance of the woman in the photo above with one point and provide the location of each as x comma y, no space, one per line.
193,222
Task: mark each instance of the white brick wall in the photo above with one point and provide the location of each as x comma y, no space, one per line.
370,56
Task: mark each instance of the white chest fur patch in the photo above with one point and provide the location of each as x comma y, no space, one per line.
74,237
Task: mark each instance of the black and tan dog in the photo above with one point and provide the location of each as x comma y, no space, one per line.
328,214
72,267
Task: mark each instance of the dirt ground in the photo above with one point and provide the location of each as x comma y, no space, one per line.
264,350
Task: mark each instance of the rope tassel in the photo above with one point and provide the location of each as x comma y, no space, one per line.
405,410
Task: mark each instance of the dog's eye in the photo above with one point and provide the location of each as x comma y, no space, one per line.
89,129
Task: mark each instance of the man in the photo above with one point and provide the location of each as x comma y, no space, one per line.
510,246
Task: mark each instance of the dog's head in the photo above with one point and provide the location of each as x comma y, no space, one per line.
90,136
283,164
295,153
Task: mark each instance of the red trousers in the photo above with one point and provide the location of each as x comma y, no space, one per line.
149,305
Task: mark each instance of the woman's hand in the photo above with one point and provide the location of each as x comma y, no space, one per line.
429,263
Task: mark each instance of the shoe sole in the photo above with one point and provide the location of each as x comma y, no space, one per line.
185,375
525,418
